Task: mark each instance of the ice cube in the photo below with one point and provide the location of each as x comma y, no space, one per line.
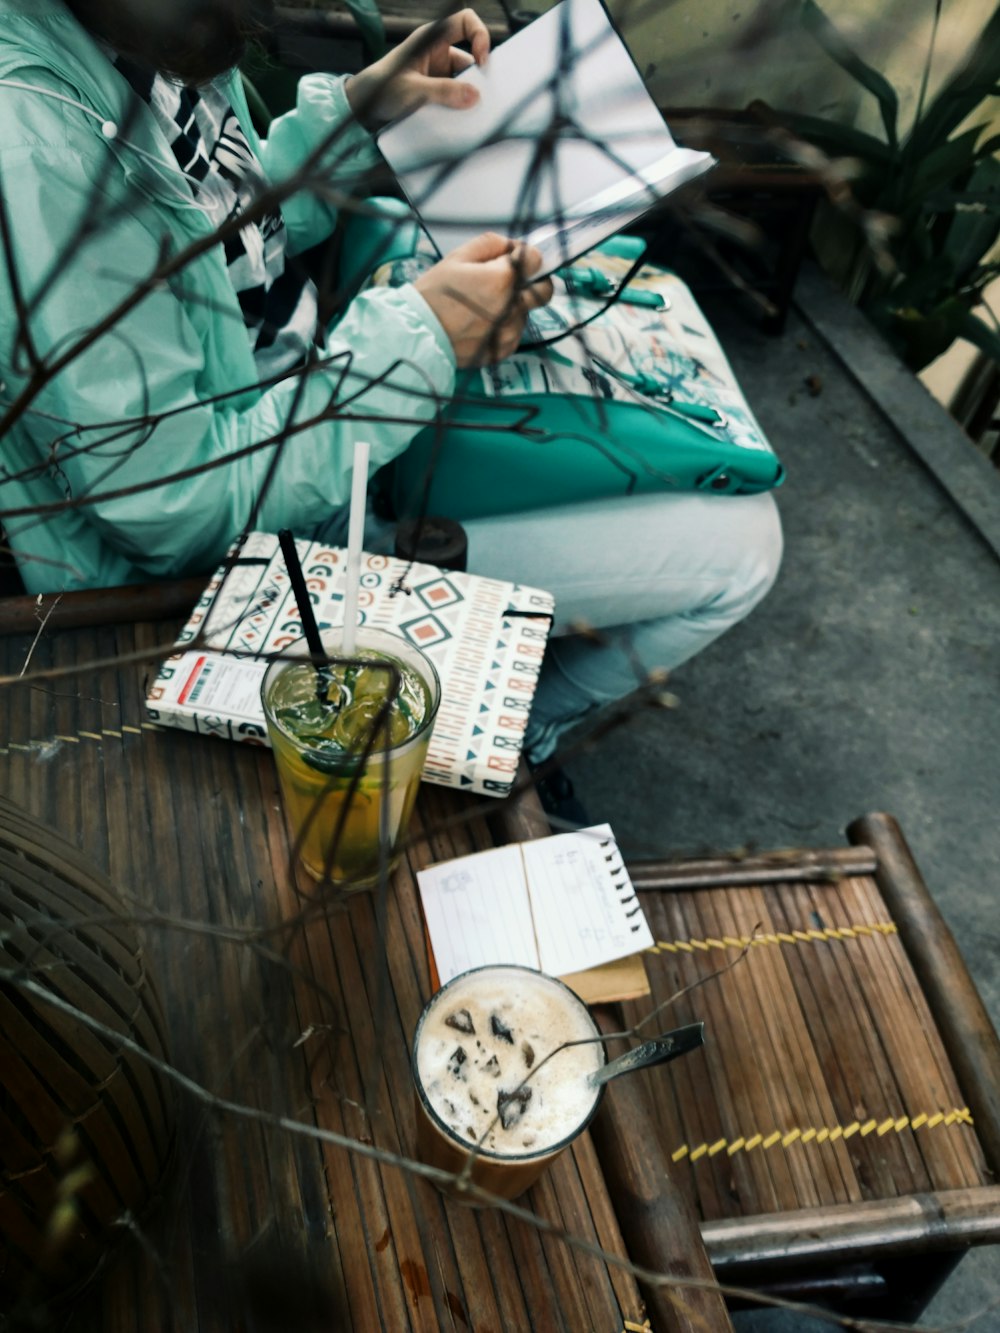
492,1067
500,1030
461,1020
511,1106
456,1062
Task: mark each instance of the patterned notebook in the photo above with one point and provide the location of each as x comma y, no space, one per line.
486,639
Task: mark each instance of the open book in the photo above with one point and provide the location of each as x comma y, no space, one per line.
612,159
563,904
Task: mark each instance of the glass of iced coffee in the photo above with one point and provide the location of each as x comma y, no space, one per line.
499,1081
348,768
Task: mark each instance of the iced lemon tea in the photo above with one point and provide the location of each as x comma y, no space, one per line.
343,806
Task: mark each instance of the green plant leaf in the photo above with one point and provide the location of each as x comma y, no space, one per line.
959,97
980,334
975,227
946,162
922,291
837,140
368,17
838,49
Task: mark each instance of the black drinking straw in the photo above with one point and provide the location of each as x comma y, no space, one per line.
309,626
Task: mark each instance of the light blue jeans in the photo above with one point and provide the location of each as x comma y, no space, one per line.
661,576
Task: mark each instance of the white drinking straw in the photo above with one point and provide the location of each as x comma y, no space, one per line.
355,541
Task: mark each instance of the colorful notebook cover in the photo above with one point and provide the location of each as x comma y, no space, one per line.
486,638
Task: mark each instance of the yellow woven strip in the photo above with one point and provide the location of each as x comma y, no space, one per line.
118,735
811,936
828,1133
644,1327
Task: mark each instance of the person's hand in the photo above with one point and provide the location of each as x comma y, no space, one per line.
482,295
420,70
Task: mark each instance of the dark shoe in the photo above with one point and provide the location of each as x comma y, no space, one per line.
559,801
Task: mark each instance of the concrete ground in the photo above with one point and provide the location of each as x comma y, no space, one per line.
868,680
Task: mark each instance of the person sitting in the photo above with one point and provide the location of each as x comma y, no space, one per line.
166,381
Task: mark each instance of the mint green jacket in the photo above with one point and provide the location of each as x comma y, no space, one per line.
113,449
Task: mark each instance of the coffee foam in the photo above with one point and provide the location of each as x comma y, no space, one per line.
518,1018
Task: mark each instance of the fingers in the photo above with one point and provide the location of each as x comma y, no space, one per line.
481,249
454,93
529,259
459,59
535,294
467,26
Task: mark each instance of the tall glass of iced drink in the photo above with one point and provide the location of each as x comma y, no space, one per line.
495,1080
347,810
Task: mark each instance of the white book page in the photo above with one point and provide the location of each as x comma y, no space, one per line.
477,911
468,171
583,903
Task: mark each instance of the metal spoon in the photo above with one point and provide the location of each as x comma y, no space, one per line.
656,1051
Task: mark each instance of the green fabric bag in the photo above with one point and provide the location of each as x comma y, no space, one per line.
641,399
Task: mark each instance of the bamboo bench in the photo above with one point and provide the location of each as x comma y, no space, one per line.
840,1143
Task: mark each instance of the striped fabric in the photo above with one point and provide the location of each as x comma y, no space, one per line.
278,300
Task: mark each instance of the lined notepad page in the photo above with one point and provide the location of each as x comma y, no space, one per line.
562,904
582,901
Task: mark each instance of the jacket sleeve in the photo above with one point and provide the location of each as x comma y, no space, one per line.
322,116
166,402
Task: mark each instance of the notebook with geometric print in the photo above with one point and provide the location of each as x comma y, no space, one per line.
486,637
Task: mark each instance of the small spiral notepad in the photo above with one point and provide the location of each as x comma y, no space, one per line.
563,904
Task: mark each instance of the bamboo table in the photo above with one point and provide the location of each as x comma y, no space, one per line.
286,1205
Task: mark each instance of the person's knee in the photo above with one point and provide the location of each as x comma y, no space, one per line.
771,544
763,546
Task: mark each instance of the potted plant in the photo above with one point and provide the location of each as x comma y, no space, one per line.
923,207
